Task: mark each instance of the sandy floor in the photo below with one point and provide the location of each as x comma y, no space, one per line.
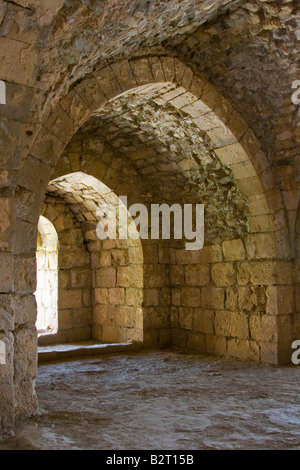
163,400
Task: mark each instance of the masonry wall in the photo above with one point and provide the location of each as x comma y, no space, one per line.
226,303
117,290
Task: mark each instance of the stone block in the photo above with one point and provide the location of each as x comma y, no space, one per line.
232,324
155,275
65,319
6,272
125,276
210,254
231,154
244,350
233,250
190,296
124,75
197,275
116,296
101,295
106,277
134,296
260,246
82,317
176,296
176,275
104,258
263,328
186,318
141,71
196,342
203,321
223,274
69,298
108,82
212,298
216,345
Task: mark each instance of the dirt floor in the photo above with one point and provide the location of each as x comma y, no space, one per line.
162,400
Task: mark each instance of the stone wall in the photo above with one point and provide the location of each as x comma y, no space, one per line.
226,303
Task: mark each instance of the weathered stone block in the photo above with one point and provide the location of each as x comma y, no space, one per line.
106,277
176,275
263,328
260,245
186,318
81,278
125,276
65,321
6,272
233,250
243,349
232,324
142,71
190,297
101,295
176,296
223,274
212,298
216,345
210,254
70,298
196,342
155,275
104,258
203,321
197,275
108,82
116,295
134,296
82,317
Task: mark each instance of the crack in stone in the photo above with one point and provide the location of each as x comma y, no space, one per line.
19,5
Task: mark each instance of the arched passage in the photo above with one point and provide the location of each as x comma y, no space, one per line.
101,279
261,267
227,134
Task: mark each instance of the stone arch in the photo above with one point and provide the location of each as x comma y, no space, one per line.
267,259
265,262
74,303
234,143
101,295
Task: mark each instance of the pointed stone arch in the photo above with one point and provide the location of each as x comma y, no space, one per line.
232,140
267,259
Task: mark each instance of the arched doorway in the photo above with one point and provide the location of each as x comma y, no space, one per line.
47,277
